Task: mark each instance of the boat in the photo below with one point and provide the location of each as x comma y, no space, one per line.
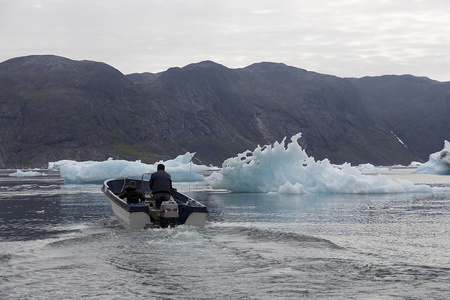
180,210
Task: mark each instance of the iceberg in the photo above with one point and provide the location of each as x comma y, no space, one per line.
371,168
181,169
438,163
279,168
20,173
288,169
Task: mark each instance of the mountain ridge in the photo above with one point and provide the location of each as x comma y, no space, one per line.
54,108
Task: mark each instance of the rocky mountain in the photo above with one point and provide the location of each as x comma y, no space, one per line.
53,108
415,109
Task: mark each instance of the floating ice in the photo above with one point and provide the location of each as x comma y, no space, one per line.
290,170
279,168
20,173
371,168
180,168
439,162
415,164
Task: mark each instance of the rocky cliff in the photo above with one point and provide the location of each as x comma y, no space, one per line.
53,108
416,109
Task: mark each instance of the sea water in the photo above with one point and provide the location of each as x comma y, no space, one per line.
62,241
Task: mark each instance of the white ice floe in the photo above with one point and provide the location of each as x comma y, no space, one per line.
20,173
439,162
288,169
181,169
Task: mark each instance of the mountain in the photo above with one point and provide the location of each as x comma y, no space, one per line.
415,109
229,111
53,108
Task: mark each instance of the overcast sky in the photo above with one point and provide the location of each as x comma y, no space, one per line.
346,38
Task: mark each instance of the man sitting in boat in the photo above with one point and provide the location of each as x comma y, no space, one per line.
160,184
132,194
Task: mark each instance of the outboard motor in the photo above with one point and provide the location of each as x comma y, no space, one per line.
169,214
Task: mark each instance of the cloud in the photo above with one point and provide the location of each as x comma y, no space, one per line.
347,38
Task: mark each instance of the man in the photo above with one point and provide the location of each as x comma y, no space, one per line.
132,193
160,184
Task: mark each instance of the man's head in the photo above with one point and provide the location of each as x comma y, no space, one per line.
161,167
133,183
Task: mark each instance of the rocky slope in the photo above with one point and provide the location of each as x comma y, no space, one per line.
416,109
53,108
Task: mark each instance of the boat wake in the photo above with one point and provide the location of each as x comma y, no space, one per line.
227,232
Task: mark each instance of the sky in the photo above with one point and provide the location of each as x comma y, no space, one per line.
345,38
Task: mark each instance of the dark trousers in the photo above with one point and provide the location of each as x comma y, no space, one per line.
160,197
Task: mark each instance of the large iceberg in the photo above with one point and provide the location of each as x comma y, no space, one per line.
439,162
181,169
279,168
282,168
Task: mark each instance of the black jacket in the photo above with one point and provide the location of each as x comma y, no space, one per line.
160,181
132,193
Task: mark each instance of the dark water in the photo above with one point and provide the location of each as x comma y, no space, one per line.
62,242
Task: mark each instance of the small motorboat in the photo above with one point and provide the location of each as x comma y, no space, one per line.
181,209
